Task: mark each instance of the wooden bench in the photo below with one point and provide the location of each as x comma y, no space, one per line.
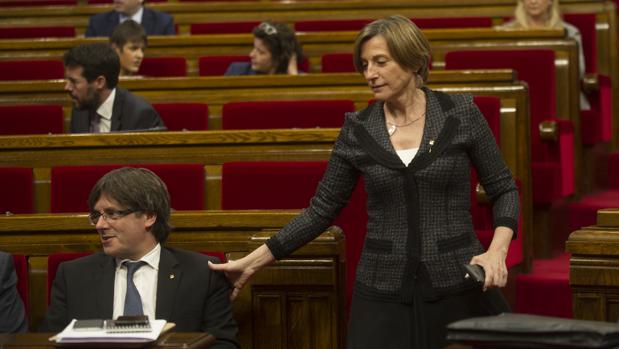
186,14
305,288
594,268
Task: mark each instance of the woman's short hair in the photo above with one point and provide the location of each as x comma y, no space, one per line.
554,17
139,190
407,44
281,41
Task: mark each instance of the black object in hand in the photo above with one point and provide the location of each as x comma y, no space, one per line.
476,272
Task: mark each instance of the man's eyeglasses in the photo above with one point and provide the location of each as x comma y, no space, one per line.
267,28
108,215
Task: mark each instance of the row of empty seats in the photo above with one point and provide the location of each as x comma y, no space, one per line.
49,119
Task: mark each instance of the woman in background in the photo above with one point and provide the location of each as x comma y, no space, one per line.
276,51
542,14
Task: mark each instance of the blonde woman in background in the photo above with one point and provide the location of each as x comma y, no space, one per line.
541,14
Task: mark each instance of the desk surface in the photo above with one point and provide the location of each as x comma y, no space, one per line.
168,341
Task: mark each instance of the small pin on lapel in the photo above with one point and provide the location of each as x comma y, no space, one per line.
431,142
171,276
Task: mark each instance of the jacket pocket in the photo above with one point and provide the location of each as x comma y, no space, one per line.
454,242
378,246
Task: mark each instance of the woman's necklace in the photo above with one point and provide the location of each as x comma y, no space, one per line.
393,127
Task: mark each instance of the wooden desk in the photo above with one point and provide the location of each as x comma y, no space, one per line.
168,341
594,268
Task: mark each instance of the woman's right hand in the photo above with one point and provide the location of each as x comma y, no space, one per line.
240,271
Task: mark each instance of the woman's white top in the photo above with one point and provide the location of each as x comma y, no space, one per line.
407,155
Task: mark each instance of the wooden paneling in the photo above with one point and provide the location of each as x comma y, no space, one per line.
303,293
594,268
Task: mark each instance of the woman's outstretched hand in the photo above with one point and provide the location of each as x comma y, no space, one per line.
240,271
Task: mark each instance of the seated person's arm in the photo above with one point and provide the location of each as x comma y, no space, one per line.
218,317
56,317
12,314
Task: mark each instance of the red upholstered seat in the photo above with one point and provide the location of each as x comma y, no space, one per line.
331,25
337,63
481,211
20,3
285,114
36,32
163,66
595,123
453,22
183,116
223,27
71,185
424,23
552,162
31,119
291,185
217,65
21,270
16,190
31,70
53,261
220,255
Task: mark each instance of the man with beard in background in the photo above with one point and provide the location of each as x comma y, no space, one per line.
91,74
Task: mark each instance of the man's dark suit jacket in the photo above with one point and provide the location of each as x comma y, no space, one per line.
154,22
188,294
12,314
130,112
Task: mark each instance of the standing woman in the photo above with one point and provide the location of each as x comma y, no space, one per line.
276,51
414,148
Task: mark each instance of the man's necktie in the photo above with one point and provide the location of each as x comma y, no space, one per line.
133,301
95,121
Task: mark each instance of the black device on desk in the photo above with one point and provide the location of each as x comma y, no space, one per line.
475,272
126,324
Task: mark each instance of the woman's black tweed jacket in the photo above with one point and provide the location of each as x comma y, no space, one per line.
418,216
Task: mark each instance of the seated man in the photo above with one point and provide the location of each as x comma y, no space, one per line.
129,41
91,71
12,314
154,22
135,274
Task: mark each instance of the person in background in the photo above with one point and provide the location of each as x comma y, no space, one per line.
414,148
136,274
91,74
12,313
541,14
154,22
129,41
276,51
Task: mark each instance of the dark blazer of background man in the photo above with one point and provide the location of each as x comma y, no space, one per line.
130,209
91,74
12,314
154,22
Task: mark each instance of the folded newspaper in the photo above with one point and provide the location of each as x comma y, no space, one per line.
70,335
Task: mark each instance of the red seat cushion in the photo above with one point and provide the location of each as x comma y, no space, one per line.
217,65
453,22
183,116
16,190
291,185
285,114
337,63
163,66
20,3
552,163
223,27
21,270
36,32
331,25
31,70
71,185
31,119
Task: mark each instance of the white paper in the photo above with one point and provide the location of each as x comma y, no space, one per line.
68,335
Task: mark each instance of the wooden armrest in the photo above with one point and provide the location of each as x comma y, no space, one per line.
480,192
590,83
548,130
